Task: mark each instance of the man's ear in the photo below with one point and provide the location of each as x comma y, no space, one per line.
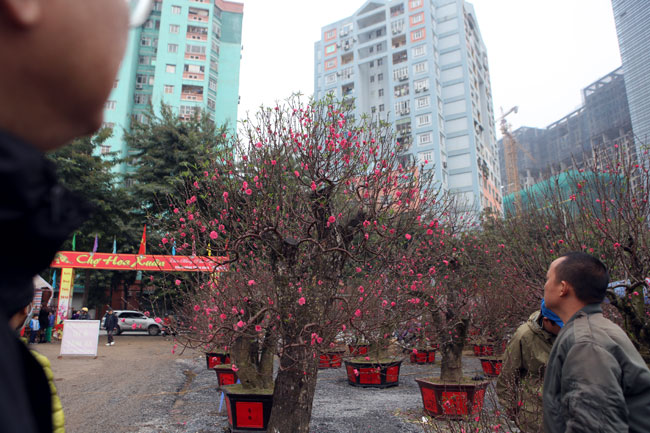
23,13
565,288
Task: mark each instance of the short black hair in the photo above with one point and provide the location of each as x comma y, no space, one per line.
585,273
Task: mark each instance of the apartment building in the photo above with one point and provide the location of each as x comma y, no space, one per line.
186,55
422,66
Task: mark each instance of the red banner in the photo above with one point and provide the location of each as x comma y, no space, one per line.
134,262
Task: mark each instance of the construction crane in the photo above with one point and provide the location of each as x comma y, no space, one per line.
510,148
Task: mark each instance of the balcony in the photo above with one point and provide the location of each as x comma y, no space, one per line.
197,33
192,93
198,15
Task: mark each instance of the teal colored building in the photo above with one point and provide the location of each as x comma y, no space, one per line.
186,55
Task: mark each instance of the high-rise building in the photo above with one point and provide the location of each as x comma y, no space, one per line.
601,124
633,29
421,65
186,55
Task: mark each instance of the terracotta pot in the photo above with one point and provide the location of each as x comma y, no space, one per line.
491,366
483,349
214,359
424,356
358,349
453,401
248,412
226,376
331,359
372,374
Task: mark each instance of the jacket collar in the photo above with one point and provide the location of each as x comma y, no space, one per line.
585,311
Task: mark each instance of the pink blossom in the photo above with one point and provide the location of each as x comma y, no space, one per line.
177,282
301,301
357,313
197,308
223,317
175,210
407,236
158,319
225,195
273,162
331,219
249,191
313,186
296,173
234,368
214,235
617,245
258,328
164,240
429,232
241,324
251,282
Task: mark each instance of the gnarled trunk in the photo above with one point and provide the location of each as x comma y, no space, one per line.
293,395
255,364
451,363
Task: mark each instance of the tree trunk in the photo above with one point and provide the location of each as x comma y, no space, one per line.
451,364
294,391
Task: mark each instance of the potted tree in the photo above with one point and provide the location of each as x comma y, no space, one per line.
308,203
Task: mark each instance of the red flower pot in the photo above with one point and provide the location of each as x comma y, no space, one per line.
423,356
214,359
453,401
372,374
483,349
226,376
358,349
248,412
330,360
491,366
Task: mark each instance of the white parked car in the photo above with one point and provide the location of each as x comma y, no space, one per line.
126,319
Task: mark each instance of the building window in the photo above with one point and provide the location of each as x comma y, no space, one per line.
414,4
424,139
174,28
420,68
187,110
403,108
397,10
330,79
211,104
401,90
148,24
144,60
380,62
115,84
425,157
372,78
171,69
421,85
141,98
169,89
423,120
416,19
418,35
330,64
212,84
110,105
105,149
419,51
381,107
401,74
145,41
176,10
380,92
380,77
330,49
346,29
347,73
423,102
172,48
330,34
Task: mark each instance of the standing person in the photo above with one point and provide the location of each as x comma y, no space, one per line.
596,381
50,326
75,315
84,314
34,327
43,322
82,43
111,325
519,385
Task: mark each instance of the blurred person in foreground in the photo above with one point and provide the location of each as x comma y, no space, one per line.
519,386
64,56
596,380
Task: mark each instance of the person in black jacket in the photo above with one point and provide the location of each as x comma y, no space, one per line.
44,322
111,325
81,43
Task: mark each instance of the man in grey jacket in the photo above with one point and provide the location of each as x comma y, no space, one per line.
596,380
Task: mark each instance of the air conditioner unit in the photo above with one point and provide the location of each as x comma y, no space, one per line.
418,90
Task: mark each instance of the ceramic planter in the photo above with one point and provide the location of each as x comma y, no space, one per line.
248,412
213,359
452,401
331,359
225,375
491,366
370,374
423,356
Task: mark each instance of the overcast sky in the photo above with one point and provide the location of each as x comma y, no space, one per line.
541,53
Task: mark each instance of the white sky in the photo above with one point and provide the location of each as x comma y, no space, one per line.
541,53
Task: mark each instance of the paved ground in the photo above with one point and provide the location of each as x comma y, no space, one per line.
138,385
